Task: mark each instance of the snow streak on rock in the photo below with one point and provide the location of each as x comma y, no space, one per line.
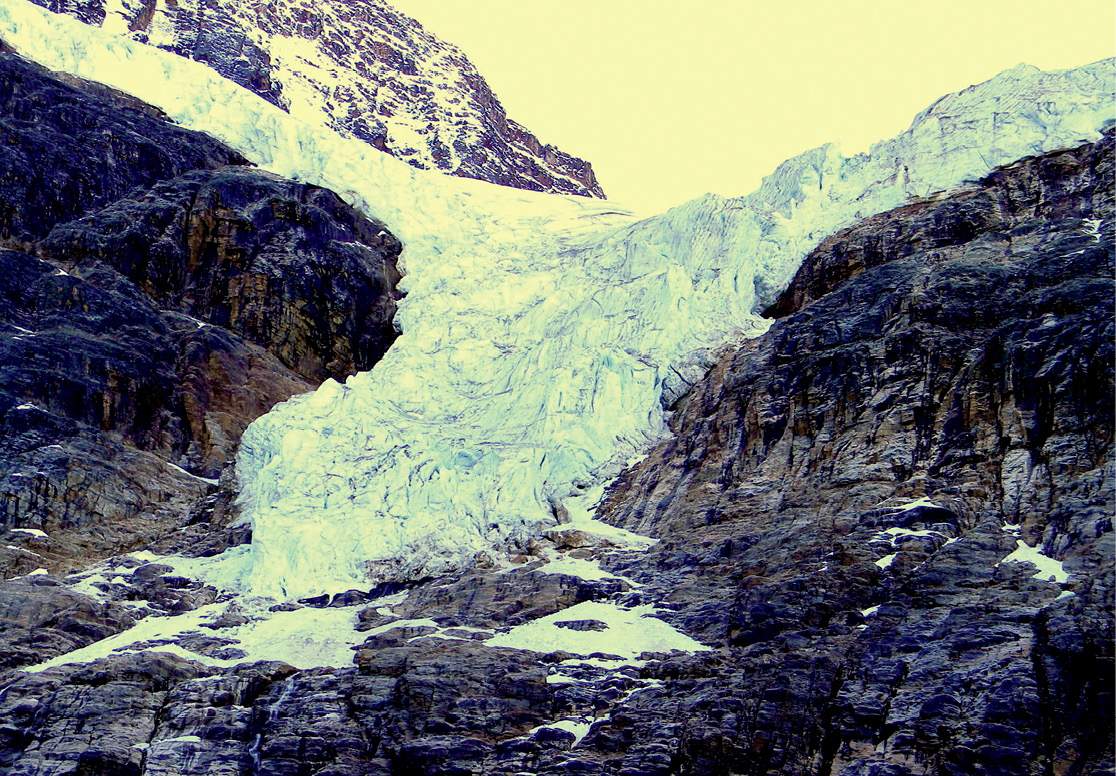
539,332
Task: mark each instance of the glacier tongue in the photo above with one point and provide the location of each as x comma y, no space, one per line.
539,332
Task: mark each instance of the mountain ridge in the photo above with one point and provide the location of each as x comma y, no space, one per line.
360,67
869,538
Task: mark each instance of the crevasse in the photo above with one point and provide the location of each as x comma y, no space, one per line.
539,331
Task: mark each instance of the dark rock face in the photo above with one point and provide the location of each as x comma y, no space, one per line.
139,341
833,514
93,407
71,146
43,617
97,387
159,714
392,84
285,265
409,704
958,350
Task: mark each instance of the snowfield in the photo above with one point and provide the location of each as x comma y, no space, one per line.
540,332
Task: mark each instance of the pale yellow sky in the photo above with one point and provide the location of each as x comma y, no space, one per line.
670,99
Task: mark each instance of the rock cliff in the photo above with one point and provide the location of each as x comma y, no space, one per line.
887,521
165,295
845,497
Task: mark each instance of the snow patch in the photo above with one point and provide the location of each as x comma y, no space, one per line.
180,470
581,568
1048,568
630,633
579,726
304,638
894,533
23,550
1092,228
921,502
886,560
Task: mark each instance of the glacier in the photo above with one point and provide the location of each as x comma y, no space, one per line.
542,335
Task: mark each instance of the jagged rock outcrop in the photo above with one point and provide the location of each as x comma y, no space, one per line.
106,402
285,265
834,516
162,300
71,146
41,616
362,68
837,506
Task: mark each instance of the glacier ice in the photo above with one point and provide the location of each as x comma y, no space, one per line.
540,332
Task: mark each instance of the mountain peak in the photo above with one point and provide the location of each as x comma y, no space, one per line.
359,67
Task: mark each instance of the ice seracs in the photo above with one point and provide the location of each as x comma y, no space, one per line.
540,332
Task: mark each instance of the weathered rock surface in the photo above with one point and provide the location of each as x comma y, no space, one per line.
362,68
71,146
285,265
42,617
957,350
834,516
139,341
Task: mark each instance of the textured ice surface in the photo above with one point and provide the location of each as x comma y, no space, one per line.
539,332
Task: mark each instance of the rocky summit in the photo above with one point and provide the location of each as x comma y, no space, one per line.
873,535
362,68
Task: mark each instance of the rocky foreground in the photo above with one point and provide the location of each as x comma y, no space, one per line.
887,521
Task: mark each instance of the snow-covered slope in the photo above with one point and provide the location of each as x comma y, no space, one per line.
539,332
359,67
